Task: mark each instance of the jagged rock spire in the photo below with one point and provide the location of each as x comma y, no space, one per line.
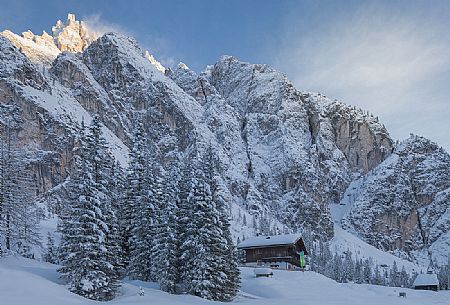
73,35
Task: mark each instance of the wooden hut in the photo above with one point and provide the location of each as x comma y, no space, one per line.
279,251
426,281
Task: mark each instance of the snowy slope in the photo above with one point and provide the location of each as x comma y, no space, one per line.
25,282
66,109
344,240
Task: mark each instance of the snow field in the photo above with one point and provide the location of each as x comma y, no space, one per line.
29,282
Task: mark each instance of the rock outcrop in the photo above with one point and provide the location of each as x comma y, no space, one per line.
73,35
403,205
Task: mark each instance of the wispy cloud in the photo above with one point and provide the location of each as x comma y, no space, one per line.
396,65
95,23
156,45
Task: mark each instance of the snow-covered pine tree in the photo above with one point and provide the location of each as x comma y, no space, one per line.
140,205
6,185
358,271
81,232
25,220
103,165
115,238
205,239
378,277
18,212
444,276
348,267
337,270
404,278
231,258
367,271
51,253
134,190
184,216
325,259
394,276
264,225
157,195
84,230
165,250
228,252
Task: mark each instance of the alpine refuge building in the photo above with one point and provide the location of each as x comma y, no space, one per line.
279,251
426,281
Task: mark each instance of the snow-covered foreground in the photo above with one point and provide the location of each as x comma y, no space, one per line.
28,282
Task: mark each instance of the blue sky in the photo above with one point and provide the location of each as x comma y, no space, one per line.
389,57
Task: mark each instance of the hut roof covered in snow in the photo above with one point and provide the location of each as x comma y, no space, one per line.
269,241
426,279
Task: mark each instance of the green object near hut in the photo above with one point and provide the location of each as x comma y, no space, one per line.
302,259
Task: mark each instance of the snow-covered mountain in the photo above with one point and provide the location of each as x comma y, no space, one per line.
402,205
285,155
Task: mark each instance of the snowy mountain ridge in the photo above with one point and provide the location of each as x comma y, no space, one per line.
285,155
71,36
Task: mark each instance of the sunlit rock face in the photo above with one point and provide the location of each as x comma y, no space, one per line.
73,35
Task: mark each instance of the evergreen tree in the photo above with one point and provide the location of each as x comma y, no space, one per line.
208,257
115,237
158,196
166,247
84,247
367,271
444,276
394,276
264,225
102,165
378,278
404,278
348,267
142,203
18,212
205,241
359,278
135,191
227,250
337,272
51,254
184,226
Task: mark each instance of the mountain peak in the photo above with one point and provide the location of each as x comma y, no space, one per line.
70,36
73,35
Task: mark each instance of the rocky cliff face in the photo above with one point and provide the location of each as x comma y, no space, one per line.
284,155
403,204
286,141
